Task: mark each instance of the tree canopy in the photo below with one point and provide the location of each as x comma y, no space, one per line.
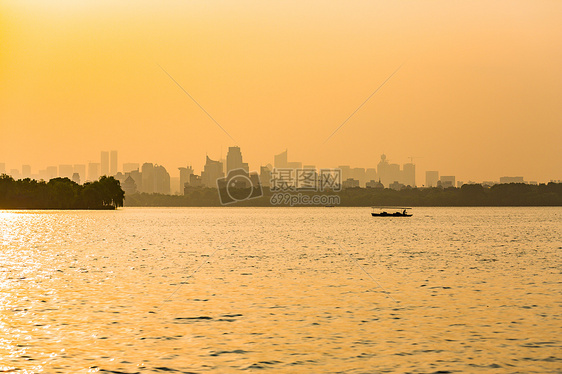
60,193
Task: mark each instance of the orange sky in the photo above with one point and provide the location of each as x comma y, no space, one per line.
479,94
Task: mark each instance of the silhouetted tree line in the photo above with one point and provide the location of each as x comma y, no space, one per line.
513,194
60,193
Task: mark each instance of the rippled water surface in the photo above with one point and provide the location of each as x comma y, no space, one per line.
281,290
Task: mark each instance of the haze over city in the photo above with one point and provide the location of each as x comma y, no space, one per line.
213,186
477,94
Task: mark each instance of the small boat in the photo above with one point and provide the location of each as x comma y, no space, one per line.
390,211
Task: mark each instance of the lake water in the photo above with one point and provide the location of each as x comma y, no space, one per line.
281,290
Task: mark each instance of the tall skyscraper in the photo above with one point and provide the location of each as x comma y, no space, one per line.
212,171
113,163
162,180
148,180
155,179
431,178
409,175
234,160
383,171
104,163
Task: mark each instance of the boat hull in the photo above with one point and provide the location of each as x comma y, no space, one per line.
390,215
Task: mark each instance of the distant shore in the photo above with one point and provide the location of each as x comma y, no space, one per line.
514,194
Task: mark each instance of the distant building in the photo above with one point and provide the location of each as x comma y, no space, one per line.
25,171
345,172
294,165
234,160
155,179
409,175
447,181
163,181
371,174
175,186
129,185
383,171
51,172
130,166
265,176
374,184
280,160
504,180
194,182
359,174
350,183
212,171
15,173
113,163
395,174
148,178
136,175
459,184
431,178
397,186
120,177
2,168
66,171
104,158
81,170
93,171
184,177
76,178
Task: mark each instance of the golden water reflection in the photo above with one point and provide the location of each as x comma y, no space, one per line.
281,290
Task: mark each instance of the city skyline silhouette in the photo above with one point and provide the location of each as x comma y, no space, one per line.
478,99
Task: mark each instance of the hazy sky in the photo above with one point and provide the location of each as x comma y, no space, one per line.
479,93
